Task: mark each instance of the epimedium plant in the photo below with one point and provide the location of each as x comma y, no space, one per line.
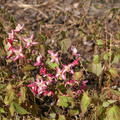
50,87
53,80
16,53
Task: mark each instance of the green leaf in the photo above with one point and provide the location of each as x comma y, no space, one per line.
53,115
22,98
106,104
96,59
115,92
7,46
62,88
62,117
97,69
116,59
113,113
85,102
71,101
2,110
51,64
74,112
65,101
45,118
20,109
113,72
2,53
2,86
99,42
10,95
106,56
28,67
65,44
5,118
112,101
118,35
99,110
78,75
12,109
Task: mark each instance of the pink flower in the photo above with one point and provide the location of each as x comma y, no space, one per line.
29,42
74,51
38,61
78,92
66,68
63,76
54,56
59,72
18,28
19,94
8,47
50,79
11,37
51,75
18,53
43,71
71,82
10,54
34,88
83,85
62,73
75,62
48,93
39,87
9,50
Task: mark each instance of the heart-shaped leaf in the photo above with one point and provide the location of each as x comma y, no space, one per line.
85,102
97,68
113,113
19,109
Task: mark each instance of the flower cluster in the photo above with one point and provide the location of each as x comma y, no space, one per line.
44,81
62,73
41,87
14,46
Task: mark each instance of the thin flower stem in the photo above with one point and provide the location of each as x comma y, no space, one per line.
18,71
83,68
